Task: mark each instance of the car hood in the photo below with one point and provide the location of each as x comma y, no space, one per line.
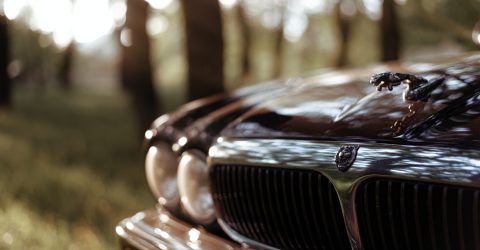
342,105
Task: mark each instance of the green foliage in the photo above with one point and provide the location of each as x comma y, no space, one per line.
71,170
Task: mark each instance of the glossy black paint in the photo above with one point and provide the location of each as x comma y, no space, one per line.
170,127
353,110
202,133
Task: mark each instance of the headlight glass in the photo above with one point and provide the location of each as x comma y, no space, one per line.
161,172
194,187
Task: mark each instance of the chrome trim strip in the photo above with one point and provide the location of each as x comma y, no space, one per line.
239,238
422,163
157,229
428,163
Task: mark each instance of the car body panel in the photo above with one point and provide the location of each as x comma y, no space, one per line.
345,106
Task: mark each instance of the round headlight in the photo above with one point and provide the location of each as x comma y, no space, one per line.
161,171
194,187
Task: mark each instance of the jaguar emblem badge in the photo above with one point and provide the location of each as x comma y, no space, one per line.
346,156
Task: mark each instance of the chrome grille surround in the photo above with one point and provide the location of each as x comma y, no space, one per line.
430,164
283,208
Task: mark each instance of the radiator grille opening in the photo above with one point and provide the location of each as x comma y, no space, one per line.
398,214
283,208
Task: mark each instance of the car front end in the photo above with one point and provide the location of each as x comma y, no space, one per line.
321,162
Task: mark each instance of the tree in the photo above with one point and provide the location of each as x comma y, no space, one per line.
204,42
65,71
5,84
246,43
390,33
136,68
343,24
278,45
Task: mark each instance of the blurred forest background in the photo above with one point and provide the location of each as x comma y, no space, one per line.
80,80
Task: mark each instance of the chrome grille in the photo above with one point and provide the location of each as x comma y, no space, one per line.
283,208
397,214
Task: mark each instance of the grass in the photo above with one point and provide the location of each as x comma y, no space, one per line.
70,169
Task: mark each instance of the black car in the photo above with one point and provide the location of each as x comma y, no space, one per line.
385,157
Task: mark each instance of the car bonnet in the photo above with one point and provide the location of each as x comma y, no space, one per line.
343,105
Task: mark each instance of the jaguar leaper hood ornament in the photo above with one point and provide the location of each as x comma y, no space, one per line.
418,88
346,156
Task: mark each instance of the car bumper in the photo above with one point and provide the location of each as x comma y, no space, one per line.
157,229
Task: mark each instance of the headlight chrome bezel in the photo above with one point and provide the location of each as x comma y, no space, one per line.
194,187
161,166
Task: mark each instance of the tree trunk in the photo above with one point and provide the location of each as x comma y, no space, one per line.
278,49
5,83
65,71
390,33
343,23
246,43
136,68
204,41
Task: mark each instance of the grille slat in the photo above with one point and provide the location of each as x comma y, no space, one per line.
235,209
313,212
273,211
333,210
391,215
286,208
368,216
254,212
303,184
294,206
280,212
221,175
284,218
379,214
460,218
431,212
445,217
242,209
231,182
404,215
476,219
427,216
267,225
323,212
418,228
